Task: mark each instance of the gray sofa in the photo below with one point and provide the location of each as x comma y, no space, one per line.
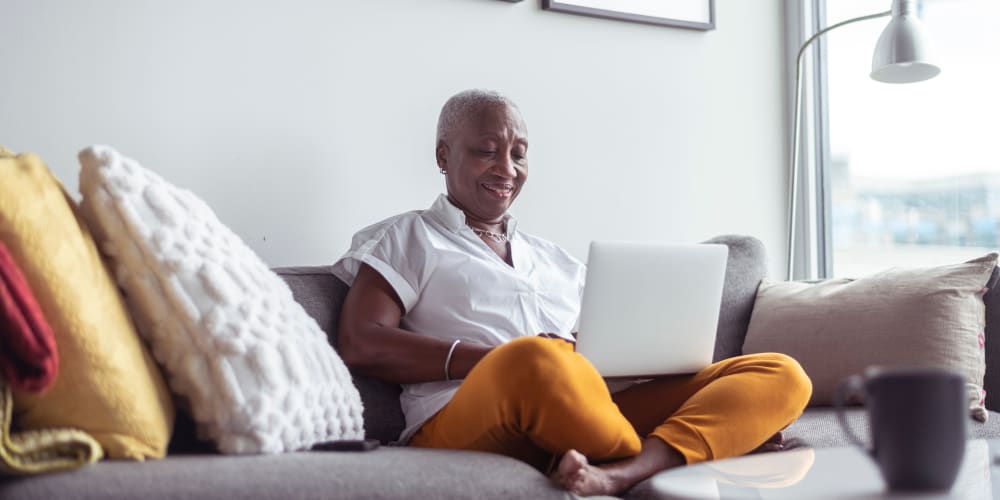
192,470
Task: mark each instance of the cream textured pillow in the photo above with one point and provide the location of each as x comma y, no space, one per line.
900,317
256,369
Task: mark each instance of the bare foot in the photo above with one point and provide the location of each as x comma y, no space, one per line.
576,475
774,443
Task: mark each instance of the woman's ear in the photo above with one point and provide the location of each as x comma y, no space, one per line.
441,152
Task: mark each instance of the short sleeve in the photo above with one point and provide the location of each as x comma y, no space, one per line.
580,283
395,249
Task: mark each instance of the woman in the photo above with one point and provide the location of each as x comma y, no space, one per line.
475,319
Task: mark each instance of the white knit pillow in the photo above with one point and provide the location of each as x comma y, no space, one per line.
257,370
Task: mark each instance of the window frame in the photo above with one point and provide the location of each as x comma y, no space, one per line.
813,248
824,213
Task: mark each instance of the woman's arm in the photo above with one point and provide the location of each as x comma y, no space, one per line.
371,342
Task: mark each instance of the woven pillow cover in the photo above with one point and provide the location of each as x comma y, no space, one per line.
29,362
254,367
932,316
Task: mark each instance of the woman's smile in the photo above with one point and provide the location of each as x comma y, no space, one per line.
500,191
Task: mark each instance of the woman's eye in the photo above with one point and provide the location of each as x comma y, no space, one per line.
487,152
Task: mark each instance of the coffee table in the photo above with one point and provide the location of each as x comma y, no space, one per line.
820,473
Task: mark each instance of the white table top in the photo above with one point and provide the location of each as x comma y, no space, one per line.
820,473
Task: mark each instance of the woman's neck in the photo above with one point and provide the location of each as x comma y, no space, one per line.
495,225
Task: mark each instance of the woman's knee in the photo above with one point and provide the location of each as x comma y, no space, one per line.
528,354
795,378
788,376
544,367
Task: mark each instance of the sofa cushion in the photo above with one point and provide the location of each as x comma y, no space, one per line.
388,472
746,266
900,317
322,295
254,368
108,385
818,428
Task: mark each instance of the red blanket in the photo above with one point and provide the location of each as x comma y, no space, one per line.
28,358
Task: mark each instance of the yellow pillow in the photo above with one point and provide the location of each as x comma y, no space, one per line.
108,384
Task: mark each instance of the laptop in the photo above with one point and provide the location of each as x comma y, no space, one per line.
651,309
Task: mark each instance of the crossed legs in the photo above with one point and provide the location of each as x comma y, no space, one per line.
535,398
728,409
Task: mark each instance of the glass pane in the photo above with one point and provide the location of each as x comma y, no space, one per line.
914,179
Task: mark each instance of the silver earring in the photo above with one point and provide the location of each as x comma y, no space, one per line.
443,171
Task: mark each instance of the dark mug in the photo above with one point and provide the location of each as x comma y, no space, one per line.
918,423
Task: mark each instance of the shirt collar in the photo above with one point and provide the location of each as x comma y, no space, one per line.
454,219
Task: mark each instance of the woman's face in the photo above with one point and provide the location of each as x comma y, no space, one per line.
486,161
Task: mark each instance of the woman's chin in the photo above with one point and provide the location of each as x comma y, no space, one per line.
496,211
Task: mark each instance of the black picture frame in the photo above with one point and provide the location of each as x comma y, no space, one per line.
572,7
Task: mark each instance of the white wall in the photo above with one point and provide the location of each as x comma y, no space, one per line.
302,121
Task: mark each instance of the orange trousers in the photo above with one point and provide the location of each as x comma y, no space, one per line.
535,398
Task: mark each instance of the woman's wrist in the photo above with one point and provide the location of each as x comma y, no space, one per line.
465,357
447,360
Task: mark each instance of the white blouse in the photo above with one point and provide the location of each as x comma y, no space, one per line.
453,286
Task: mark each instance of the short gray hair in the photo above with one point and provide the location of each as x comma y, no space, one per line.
465,104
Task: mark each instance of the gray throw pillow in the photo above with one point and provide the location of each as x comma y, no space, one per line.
900,317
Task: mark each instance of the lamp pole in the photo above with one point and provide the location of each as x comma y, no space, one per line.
794,160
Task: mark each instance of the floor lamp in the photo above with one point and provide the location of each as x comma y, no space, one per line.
901,56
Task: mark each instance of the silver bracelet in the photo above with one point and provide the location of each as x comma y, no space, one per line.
447,361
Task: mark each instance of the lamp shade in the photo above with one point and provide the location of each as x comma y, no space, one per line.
902,55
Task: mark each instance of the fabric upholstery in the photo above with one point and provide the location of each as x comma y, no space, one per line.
254,368
745,268
28,357
931,316
108,384
818,427
385,473
322,295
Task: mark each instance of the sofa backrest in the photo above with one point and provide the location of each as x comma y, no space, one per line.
322,295
745,268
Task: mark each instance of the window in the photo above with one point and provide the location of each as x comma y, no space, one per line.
912,173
